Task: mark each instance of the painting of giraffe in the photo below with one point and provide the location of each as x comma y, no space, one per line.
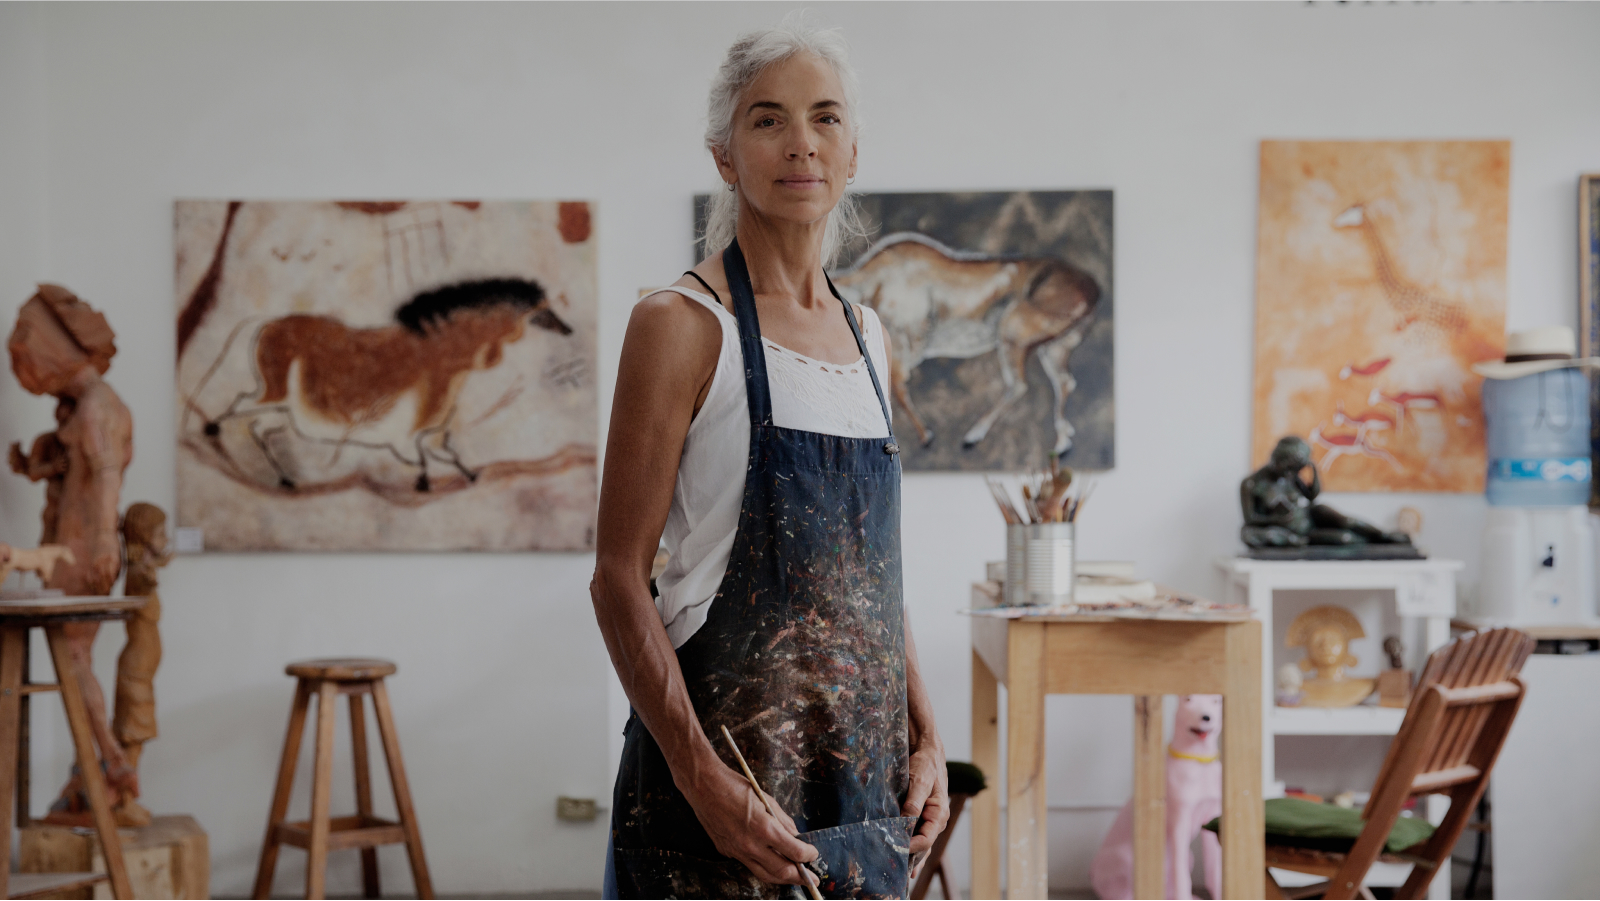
1381,278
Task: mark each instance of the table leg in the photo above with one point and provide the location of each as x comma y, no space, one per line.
986,757
13,641
1243,812
1027,853
1149,798
94,783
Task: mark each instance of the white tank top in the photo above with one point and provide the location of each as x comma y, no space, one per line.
807,394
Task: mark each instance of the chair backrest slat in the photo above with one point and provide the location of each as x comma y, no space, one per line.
1485,660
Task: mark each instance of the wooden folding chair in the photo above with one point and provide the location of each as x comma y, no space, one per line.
1452,732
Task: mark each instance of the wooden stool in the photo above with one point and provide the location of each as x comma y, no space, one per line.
321,834
17,616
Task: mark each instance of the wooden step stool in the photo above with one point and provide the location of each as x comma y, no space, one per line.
321,834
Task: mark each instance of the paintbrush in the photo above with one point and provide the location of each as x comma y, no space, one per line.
1077,506
1003,501
751,778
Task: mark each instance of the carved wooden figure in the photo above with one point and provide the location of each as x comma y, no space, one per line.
41,561
144,534
61,347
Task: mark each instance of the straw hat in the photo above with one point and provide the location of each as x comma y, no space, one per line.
1535,350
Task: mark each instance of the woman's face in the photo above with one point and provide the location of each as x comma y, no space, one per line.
791,150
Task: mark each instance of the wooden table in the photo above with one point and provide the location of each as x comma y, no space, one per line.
1037,655
17,616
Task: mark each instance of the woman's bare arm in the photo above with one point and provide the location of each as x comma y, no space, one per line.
668,357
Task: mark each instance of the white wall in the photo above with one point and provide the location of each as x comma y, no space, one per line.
108,113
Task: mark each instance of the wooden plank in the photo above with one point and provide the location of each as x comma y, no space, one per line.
402,790
13,644
358,743
94,783
280,794
1243,809
1149,798
1427,783
28,885
345,833
321,792
70,606
989,641
986,757
1137,657
1027,867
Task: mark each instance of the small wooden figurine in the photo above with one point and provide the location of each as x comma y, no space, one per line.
1288,685
61,347
1394,683
41,561
144,534
1325,633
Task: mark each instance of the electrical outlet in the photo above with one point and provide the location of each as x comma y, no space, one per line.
189,541
577,810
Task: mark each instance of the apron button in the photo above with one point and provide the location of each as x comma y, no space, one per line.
891,448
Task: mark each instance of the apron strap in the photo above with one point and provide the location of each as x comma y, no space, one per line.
756,389
755,356
850,317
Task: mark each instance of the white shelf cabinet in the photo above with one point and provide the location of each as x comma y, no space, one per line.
1423,589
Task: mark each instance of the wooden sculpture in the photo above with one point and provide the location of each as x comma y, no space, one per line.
41,561
1325,633
61,347
144,534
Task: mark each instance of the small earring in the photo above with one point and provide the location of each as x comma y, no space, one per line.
849,181
730,186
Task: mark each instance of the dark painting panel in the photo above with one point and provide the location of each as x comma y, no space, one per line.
980,291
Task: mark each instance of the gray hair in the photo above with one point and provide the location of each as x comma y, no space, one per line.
749,56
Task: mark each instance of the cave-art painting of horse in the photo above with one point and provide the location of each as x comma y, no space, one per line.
386,375
998,308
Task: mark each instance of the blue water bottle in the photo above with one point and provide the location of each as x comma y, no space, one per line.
1538,438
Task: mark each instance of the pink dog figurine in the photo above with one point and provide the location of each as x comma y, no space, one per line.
1194,796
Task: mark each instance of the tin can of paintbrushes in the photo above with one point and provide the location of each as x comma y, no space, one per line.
1051,552
1015,586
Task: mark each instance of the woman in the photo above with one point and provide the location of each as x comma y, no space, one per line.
750,429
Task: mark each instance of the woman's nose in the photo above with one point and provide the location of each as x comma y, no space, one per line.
803,146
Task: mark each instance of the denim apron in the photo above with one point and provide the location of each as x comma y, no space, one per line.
802,657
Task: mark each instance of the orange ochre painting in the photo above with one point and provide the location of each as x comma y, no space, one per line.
386,375
1381,279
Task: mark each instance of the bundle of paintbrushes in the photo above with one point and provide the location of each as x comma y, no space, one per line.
1053,496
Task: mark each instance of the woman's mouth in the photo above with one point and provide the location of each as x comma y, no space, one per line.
802,182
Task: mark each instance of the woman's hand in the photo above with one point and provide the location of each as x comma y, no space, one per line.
740,827
928,798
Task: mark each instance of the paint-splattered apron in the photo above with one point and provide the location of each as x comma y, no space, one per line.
802,657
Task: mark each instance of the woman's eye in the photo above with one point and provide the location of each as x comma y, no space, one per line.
766,122
830,119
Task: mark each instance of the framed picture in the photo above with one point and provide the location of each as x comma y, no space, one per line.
1381,278
386,375
1589,299
999,309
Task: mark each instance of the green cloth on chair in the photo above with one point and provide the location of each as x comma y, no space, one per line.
1299,823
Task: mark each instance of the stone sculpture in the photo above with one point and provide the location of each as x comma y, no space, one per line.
1282,520
61,347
